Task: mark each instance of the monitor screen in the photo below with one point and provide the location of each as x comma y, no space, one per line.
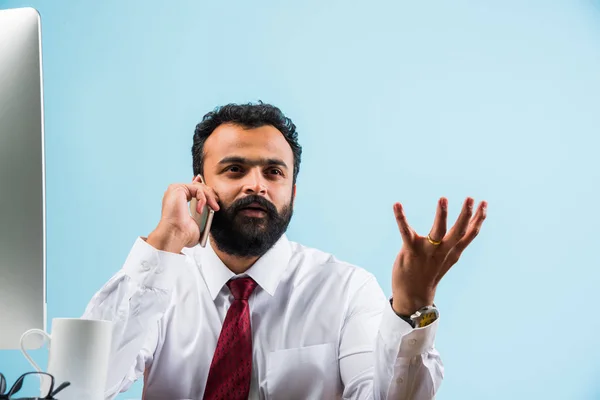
22,190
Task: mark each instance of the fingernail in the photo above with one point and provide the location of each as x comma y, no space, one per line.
444,203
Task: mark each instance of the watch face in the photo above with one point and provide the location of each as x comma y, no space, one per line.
427,318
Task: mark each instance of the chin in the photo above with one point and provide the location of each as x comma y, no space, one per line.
252,222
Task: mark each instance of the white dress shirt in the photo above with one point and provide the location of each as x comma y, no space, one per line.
321,328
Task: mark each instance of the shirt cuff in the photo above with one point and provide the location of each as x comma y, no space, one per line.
398,334
151,267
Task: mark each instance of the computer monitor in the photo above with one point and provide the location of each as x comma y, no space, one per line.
22,177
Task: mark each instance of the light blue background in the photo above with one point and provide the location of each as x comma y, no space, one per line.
394,101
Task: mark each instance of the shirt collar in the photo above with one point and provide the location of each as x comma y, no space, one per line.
266,271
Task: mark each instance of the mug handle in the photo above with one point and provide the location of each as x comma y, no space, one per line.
40,332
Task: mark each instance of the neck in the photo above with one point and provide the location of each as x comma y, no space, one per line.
237,265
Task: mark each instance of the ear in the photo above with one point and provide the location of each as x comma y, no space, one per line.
198,178
293,194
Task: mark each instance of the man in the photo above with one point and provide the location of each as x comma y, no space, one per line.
254,315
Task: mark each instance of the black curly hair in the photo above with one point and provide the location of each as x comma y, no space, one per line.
249,116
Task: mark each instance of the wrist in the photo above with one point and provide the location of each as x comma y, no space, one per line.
166,240
420,318
407,307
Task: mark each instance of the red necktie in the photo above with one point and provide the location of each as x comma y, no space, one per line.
231,367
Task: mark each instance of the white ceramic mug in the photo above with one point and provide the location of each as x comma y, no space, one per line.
79,351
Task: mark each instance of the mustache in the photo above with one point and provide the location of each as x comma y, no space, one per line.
245,202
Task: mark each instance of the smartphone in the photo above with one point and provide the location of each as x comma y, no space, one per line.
204,220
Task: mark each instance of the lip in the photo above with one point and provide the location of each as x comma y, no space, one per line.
253,212
254,207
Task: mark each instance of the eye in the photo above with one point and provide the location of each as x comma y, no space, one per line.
234,168
275,171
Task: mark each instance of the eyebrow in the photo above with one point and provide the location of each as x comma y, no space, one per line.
252,163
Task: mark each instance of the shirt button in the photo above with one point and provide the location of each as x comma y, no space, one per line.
145,266
412,342
399,380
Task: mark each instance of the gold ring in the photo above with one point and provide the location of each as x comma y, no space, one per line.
433,242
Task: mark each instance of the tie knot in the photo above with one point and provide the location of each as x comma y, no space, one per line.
241,288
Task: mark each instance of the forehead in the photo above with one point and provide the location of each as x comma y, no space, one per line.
235,140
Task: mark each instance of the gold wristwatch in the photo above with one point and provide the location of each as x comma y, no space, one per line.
422,317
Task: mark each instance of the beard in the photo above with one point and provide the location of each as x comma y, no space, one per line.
247,236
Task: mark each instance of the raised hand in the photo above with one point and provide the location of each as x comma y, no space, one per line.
424,260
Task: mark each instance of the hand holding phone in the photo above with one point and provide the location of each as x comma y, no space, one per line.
181,223
203,219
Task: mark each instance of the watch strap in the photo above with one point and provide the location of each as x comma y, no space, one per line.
421,318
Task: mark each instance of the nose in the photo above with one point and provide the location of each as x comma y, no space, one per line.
255,183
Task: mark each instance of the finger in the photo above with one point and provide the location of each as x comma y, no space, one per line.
407,233
472,232
212,198
438,231
462,222
201,197
208,194
474,228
